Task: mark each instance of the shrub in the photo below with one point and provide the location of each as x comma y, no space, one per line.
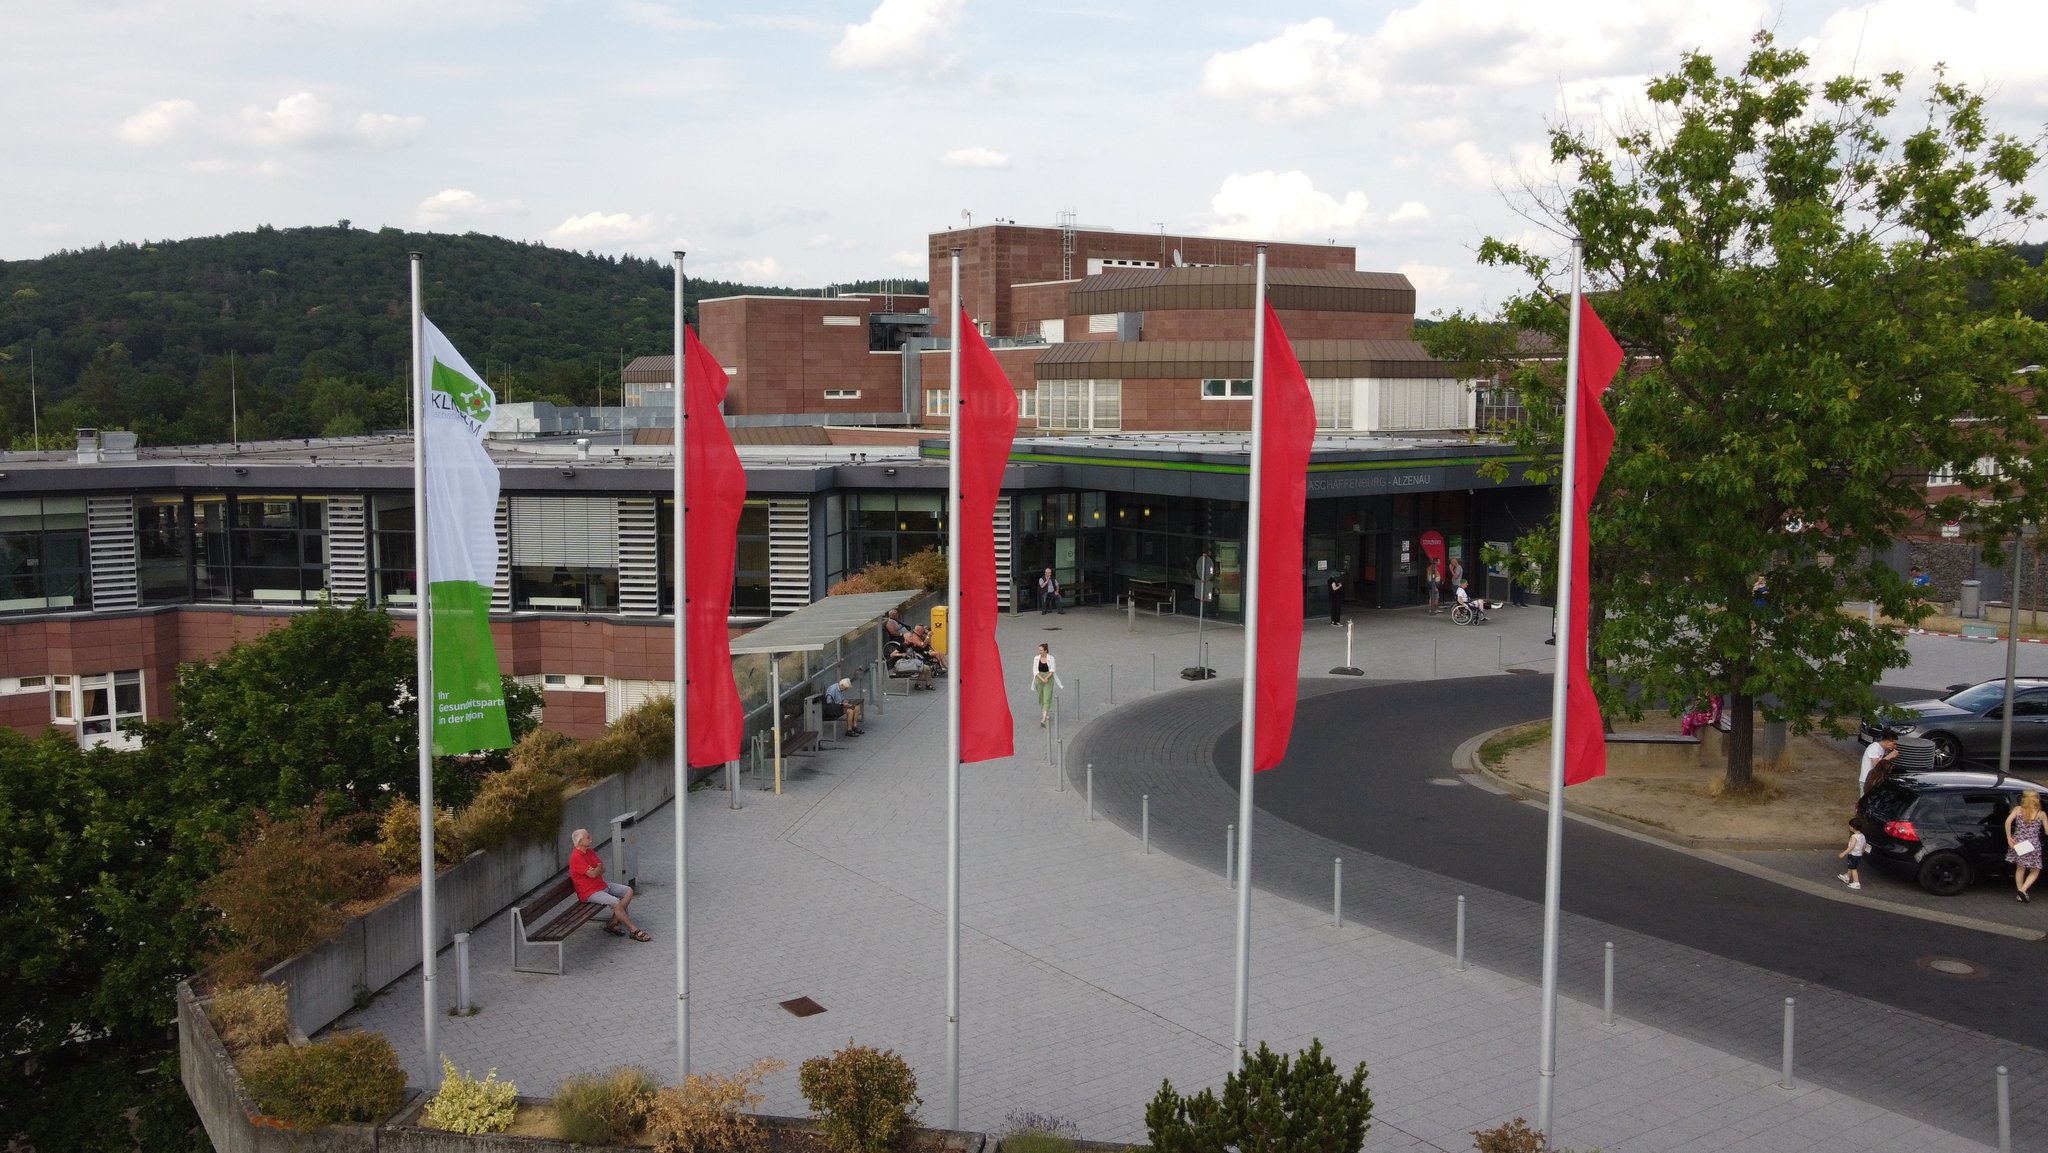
1037,1141
1273,1105
603,1109
348,1077
864,1096
251,1017
524,802
544,749
1513,1137
703,1114
280,886
926,568
649,728
854,585
467,1105
601,758
398,836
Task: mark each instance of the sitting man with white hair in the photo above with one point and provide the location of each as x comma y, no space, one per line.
586,872
838,704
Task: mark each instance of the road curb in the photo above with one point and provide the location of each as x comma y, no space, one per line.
1465,759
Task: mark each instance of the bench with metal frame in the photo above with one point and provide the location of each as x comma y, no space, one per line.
553,931
1161,596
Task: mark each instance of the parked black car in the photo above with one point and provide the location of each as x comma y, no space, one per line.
1945,829
1965,725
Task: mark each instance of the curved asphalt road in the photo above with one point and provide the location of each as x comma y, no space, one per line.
1357,772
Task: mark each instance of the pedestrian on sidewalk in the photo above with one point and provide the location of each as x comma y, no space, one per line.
1044,678
2023,829
1854,854
1435,572
1336,596
1877,761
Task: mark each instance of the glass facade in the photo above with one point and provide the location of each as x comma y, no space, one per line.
394,573
44,559
751,565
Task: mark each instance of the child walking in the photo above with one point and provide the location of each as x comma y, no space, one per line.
1854,854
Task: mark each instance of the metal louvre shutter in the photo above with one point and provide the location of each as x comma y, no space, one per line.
566,530
789,555
110,544
1006,584
501,591
348,550
639,567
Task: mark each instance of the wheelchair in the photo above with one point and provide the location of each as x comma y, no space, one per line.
1468,614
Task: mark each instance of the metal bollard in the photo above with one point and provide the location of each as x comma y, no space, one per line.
1460,967
1079,700
1787,1082
1155,672
1112,684
1091,792
1230,856
2004,1114
1500,657
1337,894
732,782
1145,825
1607,1001
1130,614
462,1002
1059,769
1432,660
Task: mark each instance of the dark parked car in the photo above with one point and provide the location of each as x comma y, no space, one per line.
1964,726
1944,829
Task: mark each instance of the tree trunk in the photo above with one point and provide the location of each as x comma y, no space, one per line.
1741,740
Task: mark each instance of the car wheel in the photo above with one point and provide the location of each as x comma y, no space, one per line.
1944,874
1947,754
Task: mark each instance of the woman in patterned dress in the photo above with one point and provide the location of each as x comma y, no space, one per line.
2024,826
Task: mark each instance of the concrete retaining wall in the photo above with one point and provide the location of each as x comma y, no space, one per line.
379,947
232,1121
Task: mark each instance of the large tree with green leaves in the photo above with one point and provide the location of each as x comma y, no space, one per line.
1817,286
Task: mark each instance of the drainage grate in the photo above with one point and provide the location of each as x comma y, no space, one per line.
1952,967
803,1007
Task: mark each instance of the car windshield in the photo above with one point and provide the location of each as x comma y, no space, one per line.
1977,698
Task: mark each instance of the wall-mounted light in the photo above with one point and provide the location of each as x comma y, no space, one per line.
888,472
240,471
569,472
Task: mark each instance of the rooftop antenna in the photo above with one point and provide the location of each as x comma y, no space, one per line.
34,417
968,217
234,404
1162,240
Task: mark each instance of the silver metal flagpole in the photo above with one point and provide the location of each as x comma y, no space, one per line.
1246,740
953,719
423,651
682,781
1553,852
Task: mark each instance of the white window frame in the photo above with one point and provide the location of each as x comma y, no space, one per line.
1027,404
68,700
1235,388
938,402
842,394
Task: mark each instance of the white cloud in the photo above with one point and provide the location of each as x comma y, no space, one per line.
975,158
899,35
1538,41
602,230
157,122
1426,278
304,120
766,268
911,258
1307,69
1409,210
1994,42
658,17
457,204
1283,206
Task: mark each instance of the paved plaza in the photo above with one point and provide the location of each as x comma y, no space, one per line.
1091,971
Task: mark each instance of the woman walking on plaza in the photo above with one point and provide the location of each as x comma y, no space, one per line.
1042,678
2023,828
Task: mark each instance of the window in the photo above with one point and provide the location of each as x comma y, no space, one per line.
1101,322
938,402
393,575
163,549
843,321
278,548
1226,390
43,554
1333,403
102,705
750,558
842,394
565,553
1081,405
1054,331
1027,404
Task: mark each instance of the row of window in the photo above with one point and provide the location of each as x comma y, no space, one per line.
98,706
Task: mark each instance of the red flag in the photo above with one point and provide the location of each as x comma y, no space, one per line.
715,489
1585,750
984,428
1288,434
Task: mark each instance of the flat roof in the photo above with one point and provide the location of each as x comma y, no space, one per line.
821,623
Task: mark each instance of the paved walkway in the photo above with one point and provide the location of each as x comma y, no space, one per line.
1090,971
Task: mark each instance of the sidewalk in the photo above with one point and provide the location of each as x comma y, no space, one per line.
1091,972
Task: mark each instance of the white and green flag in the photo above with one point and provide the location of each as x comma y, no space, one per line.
461,551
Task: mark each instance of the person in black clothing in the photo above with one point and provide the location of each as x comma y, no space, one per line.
1336,597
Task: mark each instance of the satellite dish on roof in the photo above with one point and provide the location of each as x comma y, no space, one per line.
1176,258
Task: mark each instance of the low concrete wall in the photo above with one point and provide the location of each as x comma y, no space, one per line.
379,947
1652,754
232,1121
404,1134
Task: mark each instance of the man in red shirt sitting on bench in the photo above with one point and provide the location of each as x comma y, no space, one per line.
586,872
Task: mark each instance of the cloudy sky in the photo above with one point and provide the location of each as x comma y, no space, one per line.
802,142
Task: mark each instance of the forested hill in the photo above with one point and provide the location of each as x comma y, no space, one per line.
304,331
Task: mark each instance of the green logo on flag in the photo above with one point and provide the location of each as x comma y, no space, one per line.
465,396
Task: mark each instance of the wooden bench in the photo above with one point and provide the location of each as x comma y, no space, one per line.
551,932
1980,632
1158,594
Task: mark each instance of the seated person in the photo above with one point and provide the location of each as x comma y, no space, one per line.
586,872
1478,605
905,661
892,626
920,643
838,704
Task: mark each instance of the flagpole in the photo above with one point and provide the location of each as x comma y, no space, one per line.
1246,741
1553,852
953,630
423,655
682,713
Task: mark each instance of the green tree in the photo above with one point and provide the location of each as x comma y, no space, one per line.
1821,313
